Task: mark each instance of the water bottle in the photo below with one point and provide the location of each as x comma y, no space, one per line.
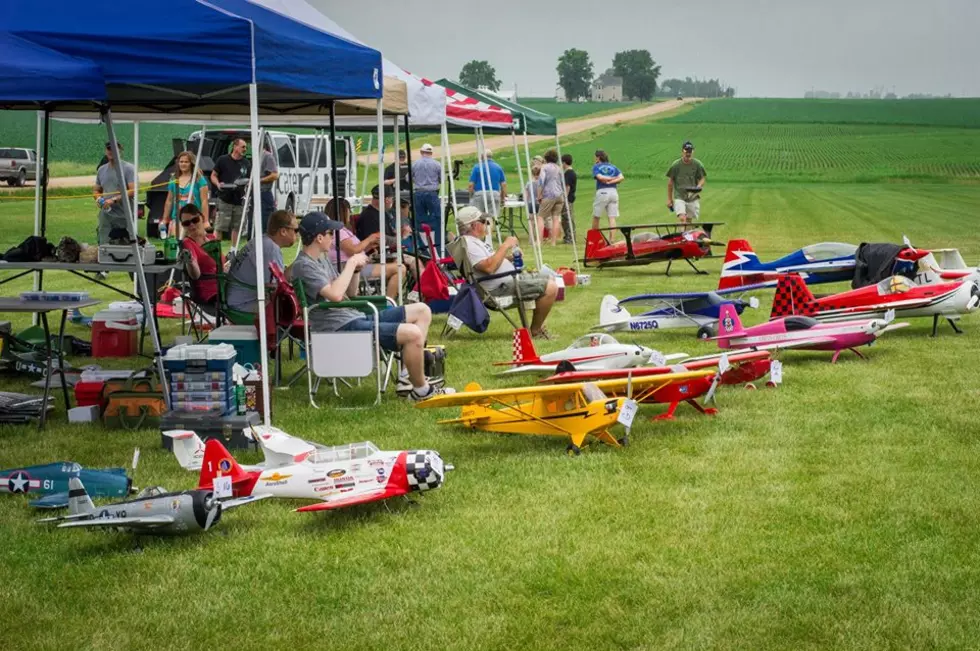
518,258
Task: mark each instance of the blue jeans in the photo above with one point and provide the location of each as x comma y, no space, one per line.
427,212
388,322
268,207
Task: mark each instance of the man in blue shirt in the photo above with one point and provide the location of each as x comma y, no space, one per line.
607,178
427,177
482,196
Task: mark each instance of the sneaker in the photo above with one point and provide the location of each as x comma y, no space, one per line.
433,391
404,385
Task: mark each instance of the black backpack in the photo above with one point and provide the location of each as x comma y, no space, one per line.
34,249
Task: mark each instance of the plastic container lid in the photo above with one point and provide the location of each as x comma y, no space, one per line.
201,352
114,315
234,333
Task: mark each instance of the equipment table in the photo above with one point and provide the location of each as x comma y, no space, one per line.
19,305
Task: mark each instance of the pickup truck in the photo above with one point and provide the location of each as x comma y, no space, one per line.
17,166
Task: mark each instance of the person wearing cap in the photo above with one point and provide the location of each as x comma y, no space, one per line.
427,177
483,197
403,328
369,221
486,261
109,196
280,233
607,179
685,179
395,169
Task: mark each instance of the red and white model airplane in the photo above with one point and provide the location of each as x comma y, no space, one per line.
591,352
802,332
337,477
947,299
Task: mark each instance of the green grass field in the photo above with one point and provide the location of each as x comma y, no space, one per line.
834,512
573,110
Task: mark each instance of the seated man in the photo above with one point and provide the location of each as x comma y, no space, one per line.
280,234
402,328
539,287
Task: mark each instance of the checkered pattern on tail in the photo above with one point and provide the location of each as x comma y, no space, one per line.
419,470
792,297
523,347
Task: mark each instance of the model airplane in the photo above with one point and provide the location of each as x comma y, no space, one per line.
825,262
949,299
588,352
803,332
576,411
278,447
52,481
742,368
941,265
337,477
154,511
665,244
667,311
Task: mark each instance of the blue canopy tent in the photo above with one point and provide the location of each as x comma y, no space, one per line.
180,56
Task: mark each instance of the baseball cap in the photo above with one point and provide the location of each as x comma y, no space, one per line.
427,148
470,214
688,146
376,192
317,223
488,152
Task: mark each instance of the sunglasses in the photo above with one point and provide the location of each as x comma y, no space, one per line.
190,222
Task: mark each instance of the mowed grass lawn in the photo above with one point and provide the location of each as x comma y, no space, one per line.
837,511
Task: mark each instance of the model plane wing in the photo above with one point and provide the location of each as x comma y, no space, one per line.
52,501
798,343
364,498
474,394
234,503
147,522
907,303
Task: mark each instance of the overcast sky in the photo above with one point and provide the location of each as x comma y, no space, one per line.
772,48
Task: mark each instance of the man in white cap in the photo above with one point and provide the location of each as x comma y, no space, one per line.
427,177
482,196
539,287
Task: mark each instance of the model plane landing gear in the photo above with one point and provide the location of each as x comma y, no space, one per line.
573,450
624,441
706,332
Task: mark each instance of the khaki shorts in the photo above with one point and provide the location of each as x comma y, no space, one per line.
532,285
690,208
488,202
229,217
551,210
606,203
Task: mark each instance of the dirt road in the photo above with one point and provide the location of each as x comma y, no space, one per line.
565,128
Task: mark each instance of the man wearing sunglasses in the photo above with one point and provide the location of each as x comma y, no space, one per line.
539,287
279,234
109,196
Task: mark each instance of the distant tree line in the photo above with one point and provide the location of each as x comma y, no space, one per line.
874,93
688,87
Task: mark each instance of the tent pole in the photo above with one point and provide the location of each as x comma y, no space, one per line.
484,181
520,178
136,185
452,184
44,186
398,213
137,254
411,207
382,233
493,195
567,208
538,253
38,180
253,111
367,164
247,203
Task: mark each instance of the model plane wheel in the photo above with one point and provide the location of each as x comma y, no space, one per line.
750,387
771,384
624,441
573,450
706,332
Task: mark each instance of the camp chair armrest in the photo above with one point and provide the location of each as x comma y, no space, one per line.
369,305
504,274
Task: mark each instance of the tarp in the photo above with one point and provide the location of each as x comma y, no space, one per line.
32,73
538,123
467,112
179,53
426,104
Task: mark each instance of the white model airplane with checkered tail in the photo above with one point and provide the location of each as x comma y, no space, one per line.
336,477
592,352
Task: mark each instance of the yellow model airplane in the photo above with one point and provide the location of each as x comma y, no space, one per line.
577,410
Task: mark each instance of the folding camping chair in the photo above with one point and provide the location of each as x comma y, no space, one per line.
224,313
337,356
285,323
439,281
501,304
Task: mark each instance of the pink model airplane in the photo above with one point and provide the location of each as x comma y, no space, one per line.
802,332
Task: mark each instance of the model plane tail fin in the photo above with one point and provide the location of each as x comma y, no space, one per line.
78,500
739,260
188,447
524,352
219,462
729,325
792,297
594,240
611,313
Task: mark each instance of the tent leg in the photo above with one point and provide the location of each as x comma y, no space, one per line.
411,203
137,254
452,184
568,209
398,215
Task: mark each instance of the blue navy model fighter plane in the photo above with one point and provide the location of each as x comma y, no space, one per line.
49,482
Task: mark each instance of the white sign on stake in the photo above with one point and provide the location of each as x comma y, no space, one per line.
776,372
454,322
723,364
627,413
222,486
136,458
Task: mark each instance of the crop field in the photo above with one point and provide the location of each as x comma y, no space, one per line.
908,112
572,110
837,511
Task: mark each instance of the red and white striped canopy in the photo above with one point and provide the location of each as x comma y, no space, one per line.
465,111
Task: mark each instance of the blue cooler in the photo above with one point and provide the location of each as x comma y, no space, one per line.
245,339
